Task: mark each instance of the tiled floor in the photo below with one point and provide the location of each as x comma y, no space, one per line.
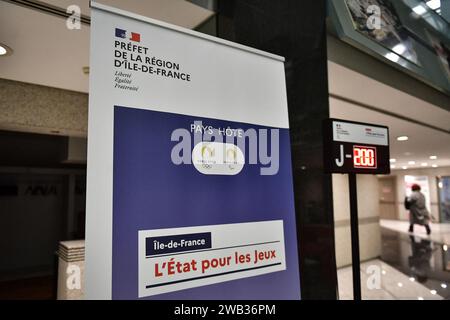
440,232
380,281
411,266
41,288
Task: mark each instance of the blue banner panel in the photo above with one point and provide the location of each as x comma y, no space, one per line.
245,221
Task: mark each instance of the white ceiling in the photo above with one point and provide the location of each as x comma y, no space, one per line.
423,141
47,53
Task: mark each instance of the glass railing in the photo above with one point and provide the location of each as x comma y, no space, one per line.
408,34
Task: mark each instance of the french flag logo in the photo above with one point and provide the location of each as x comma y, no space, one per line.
120,33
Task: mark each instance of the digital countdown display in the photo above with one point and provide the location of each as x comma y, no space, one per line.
364,157
355,147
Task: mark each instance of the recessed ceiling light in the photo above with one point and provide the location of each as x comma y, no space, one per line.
392,160
424,164
434,4
411,162
443,285
420,10
400,284
402,138
419,298
412,279
433,157
404,167
433,291
5,50
392,166
434,165
392,56
399,48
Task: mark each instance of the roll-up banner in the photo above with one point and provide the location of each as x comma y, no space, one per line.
190,191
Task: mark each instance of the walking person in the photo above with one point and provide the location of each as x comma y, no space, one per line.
418,212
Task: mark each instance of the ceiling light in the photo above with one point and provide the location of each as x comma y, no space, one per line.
433,291
420,10
392,56
383,271
392,166
433,157
443,285
404,167
402,138
400,284
434,4
444,247
5,50
419,298
434,165
392,160
412,279
424,164
411,162
399,49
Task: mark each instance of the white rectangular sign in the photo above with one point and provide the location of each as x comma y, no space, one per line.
358,133
180,258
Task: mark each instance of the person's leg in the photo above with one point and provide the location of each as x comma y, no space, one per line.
411,227
427,226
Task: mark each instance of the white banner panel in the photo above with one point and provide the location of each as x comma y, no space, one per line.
180,258
154,86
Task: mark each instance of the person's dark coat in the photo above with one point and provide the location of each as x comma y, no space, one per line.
418,212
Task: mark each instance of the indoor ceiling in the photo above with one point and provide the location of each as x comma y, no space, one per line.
45,52
428,133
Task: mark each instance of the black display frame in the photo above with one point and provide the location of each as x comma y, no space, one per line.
332,150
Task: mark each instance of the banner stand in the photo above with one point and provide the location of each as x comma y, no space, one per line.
189,175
